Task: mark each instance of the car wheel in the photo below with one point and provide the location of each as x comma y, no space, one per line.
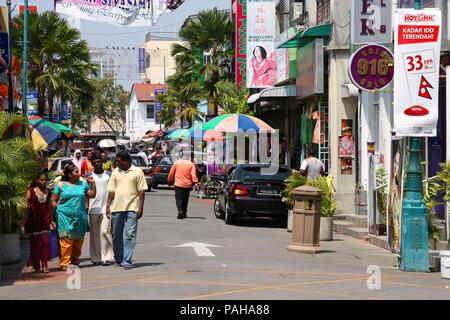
229,219
217,211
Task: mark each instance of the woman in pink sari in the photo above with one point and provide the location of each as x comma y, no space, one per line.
263,68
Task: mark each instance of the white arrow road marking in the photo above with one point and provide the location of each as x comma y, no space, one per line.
201,249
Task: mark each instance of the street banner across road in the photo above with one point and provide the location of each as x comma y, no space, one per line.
142,13
417,64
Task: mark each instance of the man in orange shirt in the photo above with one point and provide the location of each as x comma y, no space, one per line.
183,171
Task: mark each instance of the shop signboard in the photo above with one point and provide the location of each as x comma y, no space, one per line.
261,53
310,69
158,106
4,44
371,21
142,65
371,68
241,43
417,66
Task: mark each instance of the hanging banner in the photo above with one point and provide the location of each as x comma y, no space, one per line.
131,13
142,66
261,53
416,79
241,43
395,195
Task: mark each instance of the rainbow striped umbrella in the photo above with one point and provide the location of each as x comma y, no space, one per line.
236,122
46,132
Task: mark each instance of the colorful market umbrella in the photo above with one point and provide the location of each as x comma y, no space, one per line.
213,135
46,132
235,122
178,134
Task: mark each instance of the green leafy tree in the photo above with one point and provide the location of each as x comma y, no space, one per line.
233,100
209,33
59,60
19,165
110,104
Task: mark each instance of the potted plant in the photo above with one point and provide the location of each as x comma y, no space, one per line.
294,181
19,164
328,206
431,194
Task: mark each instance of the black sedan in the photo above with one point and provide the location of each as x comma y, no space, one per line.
248,190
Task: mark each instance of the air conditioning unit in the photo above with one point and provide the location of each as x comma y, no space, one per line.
297,14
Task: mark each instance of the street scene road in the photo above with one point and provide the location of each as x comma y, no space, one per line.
249,261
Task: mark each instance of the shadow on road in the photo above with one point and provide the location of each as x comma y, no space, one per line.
260,223
201,218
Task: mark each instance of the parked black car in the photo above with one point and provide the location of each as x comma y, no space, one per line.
247,191
162,166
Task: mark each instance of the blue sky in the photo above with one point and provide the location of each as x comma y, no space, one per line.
101,35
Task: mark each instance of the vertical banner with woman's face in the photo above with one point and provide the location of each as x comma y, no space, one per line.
261,55
395,195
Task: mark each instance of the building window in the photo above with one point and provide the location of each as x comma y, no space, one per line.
150,111
323,11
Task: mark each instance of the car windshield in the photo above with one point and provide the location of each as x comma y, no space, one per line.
137,161
254,173
166,161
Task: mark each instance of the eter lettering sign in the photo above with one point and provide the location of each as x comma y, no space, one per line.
371,68
371,21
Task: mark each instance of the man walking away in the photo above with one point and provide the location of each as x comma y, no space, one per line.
312,167
127,188
101,248
183,171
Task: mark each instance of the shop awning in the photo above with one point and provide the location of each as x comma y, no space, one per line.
275,92
304,37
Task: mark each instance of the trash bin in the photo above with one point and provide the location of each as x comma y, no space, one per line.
445,264
306,222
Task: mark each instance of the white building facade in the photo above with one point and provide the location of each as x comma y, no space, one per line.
142,113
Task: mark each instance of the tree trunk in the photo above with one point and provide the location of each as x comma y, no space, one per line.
51,97
41,100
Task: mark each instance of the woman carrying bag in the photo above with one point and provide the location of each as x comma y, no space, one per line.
69,198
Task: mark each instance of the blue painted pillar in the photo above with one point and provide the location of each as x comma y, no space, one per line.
414,241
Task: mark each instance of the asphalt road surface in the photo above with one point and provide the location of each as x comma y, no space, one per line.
201,258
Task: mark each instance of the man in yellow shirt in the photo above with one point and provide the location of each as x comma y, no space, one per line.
126,187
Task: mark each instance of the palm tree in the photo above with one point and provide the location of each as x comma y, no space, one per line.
60,58
210,33
233,100
19,165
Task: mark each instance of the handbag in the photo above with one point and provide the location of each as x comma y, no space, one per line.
53,242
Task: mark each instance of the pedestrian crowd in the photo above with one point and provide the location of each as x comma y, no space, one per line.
93,196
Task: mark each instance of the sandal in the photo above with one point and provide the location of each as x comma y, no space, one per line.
45,270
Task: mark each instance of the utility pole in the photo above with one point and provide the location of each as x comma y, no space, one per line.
10,84
414,247
25,58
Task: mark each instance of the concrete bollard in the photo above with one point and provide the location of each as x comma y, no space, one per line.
306,224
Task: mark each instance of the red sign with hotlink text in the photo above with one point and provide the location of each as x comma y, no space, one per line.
241,44
417,34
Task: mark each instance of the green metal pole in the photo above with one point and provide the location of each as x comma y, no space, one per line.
25,58
417,4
